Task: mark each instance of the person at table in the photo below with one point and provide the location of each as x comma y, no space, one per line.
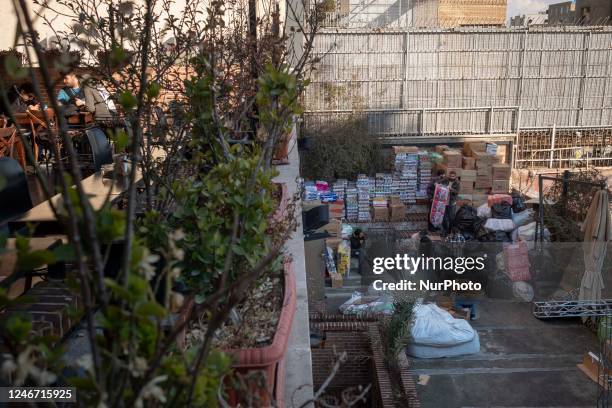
97,100
71,96
25,98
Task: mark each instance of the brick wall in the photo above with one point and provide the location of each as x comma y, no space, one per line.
360,337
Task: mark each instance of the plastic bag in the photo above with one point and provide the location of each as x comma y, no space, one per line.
501,211
518,204
522,218
359,304
527,234
496,224
466,219
436,327
484,211
523,291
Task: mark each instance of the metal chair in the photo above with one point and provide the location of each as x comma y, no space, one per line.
15,196
101,150
11,146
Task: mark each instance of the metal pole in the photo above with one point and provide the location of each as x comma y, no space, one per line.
552,145
540,227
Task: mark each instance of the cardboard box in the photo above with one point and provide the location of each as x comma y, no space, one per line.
484,171
453,158
394,200
334,228
380,214
405,149
500,186
447,169
469,163
483,158
469,175
336,209
470,148
593,367
466,187
483,182
441,148
336,280
333,243
501,172
398,212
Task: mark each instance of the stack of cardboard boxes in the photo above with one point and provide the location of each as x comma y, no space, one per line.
479,170
397,209
491,175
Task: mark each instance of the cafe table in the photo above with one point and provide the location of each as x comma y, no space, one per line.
96,187
8,261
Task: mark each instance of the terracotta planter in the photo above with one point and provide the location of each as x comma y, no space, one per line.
270,359
281,150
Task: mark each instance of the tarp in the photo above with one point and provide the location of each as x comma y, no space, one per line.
597,229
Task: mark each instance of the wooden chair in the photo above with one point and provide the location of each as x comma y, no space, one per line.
11,146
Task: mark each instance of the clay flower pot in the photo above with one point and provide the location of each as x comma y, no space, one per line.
270,359
281,150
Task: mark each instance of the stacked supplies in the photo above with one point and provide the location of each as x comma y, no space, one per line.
425,167
384,183
310,191
351,202
339,187
406,170
363,197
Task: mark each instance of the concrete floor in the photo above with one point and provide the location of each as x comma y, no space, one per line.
523,362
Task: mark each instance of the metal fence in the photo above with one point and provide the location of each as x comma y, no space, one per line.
564,147
423,81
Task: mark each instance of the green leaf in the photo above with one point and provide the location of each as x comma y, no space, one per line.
35,259
18,326
121,139
13,67
151,309
127,100
64,253
153,90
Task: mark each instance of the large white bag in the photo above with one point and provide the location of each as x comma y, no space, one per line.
419,351
497,224
484,211
436,327
522,218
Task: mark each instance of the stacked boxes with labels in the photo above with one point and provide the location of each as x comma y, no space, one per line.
425,167
501,178
380,212
406,170
351,202
363,196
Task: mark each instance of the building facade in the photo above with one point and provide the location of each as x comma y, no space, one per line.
594,12
527,20
562,13
459,13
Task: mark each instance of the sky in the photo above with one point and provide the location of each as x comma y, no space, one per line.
516,7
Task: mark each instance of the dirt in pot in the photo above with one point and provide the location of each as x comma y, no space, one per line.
255,320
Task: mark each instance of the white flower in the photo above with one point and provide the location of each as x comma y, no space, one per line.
151,390
146,264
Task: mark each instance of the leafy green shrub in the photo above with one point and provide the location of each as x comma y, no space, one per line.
396,330
343,150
